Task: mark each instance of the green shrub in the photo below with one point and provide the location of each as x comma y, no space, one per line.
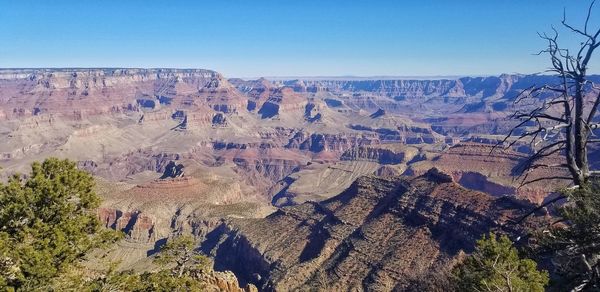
495,265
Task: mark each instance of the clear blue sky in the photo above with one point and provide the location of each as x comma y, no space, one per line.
246,38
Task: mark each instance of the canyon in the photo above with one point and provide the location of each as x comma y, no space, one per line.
289,184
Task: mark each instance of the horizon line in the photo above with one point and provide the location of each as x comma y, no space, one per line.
284,77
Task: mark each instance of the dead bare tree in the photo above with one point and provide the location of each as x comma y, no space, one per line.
559,118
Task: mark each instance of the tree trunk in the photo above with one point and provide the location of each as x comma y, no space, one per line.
580,134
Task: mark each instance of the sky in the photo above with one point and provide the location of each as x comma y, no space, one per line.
243,38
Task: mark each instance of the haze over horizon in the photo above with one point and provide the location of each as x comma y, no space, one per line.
243,39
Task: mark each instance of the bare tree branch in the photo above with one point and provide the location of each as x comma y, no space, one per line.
568,99
544,205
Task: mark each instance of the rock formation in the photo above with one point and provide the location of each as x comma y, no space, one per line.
379,232
173,170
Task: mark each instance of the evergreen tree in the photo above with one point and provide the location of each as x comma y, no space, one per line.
181,252
47,222
495,265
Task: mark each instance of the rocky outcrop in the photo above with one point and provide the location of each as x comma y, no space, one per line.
379,232
281,100
173,170
223,282
373,153
494,171
303,86
130,163
477,181
311,113
398,89
263,173
330,142
437,176
267,98
387,171
219,120
377,114
78,93
406,134
137,226
258,91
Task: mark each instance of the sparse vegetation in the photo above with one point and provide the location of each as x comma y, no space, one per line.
182,268
495,265
163,280
47,222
